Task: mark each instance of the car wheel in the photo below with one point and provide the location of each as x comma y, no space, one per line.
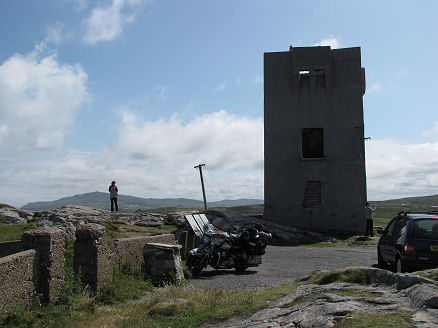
380,260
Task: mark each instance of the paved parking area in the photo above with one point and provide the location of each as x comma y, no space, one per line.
283,264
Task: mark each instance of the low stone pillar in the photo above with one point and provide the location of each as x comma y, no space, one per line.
49,244
90,255
162,260
182,240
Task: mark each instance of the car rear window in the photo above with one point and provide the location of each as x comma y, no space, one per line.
426,229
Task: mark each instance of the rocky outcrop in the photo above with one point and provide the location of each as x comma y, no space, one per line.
314,305
280,231
70,218
12,215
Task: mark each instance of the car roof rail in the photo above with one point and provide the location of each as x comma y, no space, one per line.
404,213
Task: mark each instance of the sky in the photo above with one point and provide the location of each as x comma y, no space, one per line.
141,91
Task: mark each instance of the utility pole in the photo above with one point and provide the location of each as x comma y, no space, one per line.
202,184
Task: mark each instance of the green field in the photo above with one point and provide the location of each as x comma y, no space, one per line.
9,232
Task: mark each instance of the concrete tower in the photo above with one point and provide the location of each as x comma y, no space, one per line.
314,138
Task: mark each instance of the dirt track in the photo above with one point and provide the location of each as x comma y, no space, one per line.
284,264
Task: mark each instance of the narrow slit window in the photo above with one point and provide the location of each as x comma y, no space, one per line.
304,82
312,143
312,194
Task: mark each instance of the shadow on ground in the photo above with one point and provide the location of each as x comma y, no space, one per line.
213,273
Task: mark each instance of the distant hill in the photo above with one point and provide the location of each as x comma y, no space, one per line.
130,203
389,208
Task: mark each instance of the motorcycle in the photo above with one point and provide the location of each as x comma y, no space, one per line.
222,249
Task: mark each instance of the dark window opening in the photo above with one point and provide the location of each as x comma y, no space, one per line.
312,141
320,81
312,194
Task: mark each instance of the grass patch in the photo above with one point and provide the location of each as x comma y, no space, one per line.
123,286
351,275
9,232
382,222
433,275
240,210
180,307
263,297
365,320
343,241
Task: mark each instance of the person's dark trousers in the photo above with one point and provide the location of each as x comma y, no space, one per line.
114,202
369,231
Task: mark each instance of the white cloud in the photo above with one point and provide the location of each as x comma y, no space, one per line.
107,23
238,82
330,41
39,99
221,87
398,170
374,88
149,159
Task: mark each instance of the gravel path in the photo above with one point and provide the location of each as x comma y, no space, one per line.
283,264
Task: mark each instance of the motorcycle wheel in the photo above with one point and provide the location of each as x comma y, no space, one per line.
240,267
196,269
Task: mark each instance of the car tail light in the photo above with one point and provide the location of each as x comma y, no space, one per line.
410,249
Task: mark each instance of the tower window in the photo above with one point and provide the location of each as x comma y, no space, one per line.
312,143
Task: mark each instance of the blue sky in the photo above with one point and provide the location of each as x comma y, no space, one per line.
141,91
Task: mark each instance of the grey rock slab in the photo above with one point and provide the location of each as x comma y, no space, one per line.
424,295
14,215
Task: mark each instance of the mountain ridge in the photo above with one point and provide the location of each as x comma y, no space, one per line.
128,203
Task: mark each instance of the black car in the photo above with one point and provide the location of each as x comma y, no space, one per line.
410,242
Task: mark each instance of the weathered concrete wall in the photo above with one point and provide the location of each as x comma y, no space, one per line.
163,261
17,279
308,88
49,244
130,250
96,261
10,247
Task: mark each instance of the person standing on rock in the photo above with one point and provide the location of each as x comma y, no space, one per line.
369,209
114,192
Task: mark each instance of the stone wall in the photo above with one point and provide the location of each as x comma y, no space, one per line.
96,261
130,250
17,279
10,247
